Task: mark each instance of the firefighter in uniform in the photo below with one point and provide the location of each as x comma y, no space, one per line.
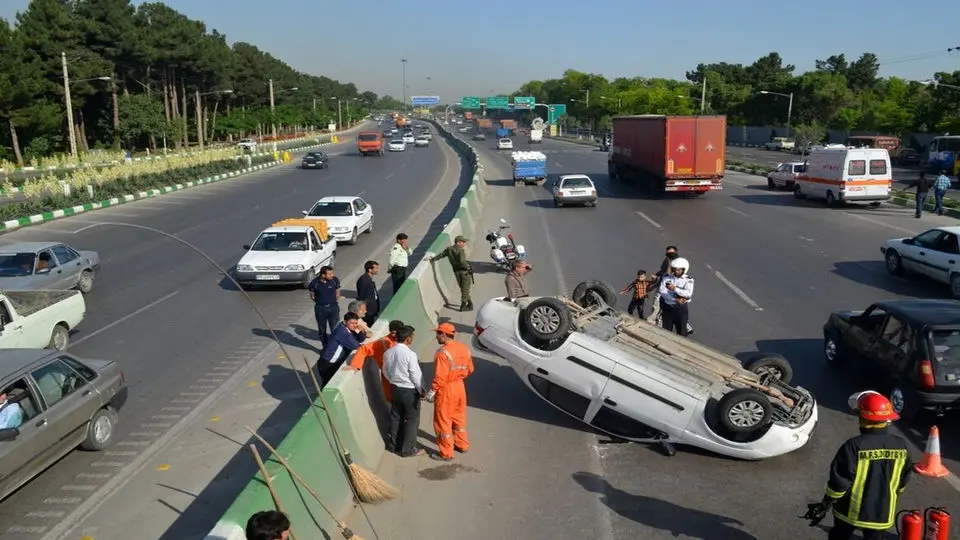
867,475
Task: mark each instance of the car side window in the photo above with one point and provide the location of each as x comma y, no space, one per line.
80,368
65,254
872,320
947,244
56,381
928,239
46,260
315,242
897,333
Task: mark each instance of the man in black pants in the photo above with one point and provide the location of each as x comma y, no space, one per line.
325,293
401,367
676,290
399,260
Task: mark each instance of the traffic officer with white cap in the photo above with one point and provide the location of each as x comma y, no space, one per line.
676,290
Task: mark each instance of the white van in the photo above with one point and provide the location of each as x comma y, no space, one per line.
840,174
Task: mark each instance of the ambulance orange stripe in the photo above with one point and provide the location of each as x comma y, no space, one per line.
888,182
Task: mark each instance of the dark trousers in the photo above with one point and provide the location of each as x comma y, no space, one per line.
844,531
921,200
938,195
465,282
675,317
326,370
398,274
636,305
404,420
328,317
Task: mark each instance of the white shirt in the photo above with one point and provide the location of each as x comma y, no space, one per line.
684,289
11,415
399,256
401,366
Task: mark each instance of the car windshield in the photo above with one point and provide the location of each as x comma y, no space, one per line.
280,241
368,137
16,264
946,346
576,183
330,209
314,155
399,143
504,140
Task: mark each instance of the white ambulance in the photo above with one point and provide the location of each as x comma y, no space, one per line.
840,174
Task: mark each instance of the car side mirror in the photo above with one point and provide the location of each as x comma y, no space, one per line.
9,434
304,212
246,247
908,241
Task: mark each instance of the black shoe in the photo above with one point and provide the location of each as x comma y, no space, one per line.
463,307
438,457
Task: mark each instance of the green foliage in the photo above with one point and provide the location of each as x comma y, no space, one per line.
837,94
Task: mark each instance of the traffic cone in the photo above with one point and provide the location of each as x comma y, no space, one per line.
931,465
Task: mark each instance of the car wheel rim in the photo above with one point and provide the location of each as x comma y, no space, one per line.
102,429
746,414
955,286
85,281
892,263
60,341
545,320
830,350
897,400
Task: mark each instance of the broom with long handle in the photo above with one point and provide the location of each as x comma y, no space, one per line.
266,478
344,530
370,488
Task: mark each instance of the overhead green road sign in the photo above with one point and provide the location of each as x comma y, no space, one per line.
498,102
555,112
470,102
524,102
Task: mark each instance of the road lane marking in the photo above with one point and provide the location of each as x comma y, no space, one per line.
389,176
735,211
736,290
650,221
882,224
125,318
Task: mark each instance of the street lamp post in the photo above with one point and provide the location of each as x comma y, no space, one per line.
339,114
199,108
68,102
789,104
403,77
273,118
619,102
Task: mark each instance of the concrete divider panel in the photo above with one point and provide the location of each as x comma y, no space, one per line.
408,307
349,408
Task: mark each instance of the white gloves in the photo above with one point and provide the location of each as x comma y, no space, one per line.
430,395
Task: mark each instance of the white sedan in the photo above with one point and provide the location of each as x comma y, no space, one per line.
635,381
933,254
504,144
574,189
408,138
347,217
397,145
422,141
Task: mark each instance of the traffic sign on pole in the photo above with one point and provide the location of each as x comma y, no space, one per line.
420,101
498,102
524,102
555,112
470,102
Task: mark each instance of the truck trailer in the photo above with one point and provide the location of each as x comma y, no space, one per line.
529,168
669,153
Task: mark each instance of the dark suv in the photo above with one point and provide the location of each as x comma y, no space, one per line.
912,346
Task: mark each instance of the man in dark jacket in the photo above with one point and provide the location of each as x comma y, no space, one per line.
923,185
367,291
342,342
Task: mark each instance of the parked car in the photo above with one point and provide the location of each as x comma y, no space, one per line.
639,382
785,175
933,254
66,402
574,189
315,160
780,144
910,347
31,266
347,217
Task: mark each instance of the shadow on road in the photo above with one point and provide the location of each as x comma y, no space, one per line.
874,274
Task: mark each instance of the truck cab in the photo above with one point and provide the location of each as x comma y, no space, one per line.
370,143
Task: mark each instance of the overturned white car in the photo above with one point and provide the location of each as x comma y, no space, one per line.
635,381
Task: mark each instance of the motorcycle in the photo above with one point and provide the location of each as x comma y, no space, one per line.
504,249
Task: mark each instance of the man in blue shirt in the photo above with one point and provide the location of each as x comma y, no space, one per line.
940,188
342,341
11,414
325,293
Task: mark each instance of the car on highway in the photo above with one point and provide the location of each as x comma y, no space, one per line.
315,160
780,144
504,144
347,217
908,156
290,252
785,175
426,135
29,266
65,402
394,131
397,145
639,382
571,189
464,129
910,348
421,141
933,254
479,137
248,145
39,319
409,138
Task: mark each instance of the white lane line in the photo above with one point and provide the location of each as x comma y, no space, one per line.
125,318
389,176
882,224
736,290
650,221
735,211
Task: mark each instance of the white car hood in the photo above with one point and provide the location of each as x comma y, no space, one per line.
273,258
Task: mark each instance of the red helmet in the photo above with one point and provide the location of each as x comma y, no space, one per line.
875,407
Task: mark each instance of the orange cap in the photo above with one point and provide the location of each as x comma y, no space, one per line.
446,328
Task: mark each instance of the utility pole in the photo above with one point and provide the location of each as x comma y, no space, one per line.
790,110
273,120
199,121
403,71
314,104
339,115
116,111
703,95
69,104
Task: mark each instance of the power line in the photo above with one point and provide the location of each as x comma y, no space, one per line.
916,57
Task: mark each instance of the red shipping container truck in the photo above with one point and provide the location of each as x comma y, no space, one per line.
670,153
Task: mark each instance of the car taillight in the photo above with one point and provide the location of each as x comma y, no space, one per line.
925,370
477,329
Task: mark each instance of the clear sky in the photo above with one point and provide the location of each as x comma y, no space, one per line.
479,48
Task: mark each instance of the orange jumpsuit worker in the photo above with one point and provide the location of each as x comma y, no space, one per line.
452,364
375,349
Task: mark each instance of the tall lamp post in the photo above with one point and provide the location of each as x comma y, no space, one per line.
200,112
339,114
789,104
403,77
273,118
68,101
619,102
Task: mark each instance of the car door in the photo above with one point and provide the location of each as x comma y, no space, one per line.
864,330
48,275
11,331
890,350
364,213
917,256
72,264
573,377
69,399
942,257
637,406
35,447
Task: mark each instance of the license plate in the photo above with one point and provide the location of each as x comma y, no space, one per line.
693,182
578,192
855,188
267,277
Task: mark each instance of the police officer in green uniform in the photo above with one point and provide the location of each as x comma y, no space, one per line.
457,254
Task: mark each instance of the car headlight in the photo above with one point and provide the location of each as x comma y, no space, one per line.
341,229
244,268
293,268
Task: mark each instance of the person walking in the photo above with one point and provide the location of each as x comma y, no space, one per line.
325,293
342,342
671,253
367,292
516,281
638,288
676,291
452,364
402,368
867,475
923,189
376,349
940,188
457,255
399,261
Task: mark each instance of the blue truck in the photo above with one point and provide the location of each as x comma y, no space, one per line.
529,168
503,132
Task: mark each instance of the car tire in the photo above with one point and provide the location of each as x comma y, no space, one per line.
582,294
904,403
370,228
894,263
798,193
308,278
833,351
744,411
59,338
354,237
831,200
85,283
547,319
774,364
101,430
770,185
955,286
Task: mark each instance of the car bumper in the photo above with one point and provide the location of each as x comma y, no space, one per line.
940,402
312,165
270,278
777,441
862,197
341,236
392,149
576,199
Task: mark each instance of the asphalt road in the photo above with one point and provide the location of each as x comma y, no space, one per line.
168,317
769,158
769,270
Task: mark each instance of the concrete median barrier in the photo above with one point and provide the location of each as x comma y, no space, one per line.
308,447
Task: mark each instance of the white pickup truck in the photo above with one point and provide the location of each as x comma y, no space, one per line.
536,136
291,252
39,319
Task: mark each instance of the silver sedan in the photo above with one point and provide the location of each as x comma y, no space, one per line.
32,266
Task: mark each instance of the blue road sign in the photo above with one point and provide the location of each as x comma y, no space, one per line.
419,101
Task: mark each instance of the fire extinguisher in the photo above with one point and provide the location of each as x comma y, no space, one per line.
909,525
937,524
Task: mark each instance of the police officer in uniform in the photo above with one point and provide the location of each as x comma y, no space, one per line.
867,475
457,254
